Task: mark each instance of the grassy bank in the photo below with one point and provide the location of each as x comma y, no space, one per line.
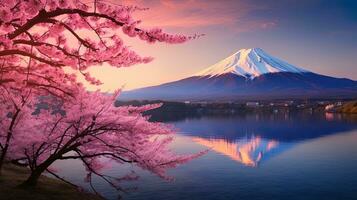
349,107
48,188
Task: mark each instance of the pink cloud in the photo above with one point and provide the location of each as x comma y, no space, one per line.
200,13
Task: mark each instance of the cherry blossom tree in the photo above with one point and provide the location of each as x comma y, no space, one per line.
51,34
92,129
16,107
45,44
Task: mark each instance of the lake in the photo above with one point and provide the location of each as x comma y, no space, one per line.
252,156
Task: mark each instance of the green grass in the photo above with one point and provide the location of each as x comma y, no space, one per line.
46,189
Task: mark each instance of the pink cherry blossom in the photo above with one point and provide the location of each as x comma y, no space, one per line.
40,40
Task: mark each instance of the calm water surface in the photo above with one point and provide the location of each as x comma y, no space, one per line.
277,156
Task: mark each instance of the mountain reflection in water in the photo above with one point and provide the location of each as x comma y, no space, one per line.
248,151
283,127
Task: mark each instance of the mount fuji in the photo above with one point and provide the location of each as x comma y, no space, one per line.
249,74
249,63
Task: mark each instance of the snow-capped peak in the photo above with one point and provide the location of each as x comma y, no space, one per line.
250,63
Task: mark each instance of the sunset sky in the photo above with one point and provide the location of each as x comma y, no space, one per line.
319,36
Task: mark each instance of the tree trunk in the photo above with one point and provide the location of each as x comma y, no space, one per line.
36,173
8,138
2,159
1,163
32,179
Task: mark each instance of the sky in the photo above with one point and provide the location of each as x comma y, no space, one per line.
317,35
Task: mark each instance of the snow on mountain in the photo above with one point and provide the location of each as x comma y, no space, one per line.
250,63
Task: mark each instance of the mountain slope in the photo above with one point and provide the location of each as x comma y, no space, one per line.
249,74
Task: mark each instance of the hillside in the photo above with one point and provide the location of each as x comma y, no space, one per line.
349,107
47,188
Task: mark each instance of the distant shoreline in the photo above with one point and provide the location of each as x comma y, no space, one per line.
172,111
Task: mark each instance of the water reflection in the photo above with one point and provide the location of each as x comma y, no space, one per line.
281,127
247,151
252,139
278,155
